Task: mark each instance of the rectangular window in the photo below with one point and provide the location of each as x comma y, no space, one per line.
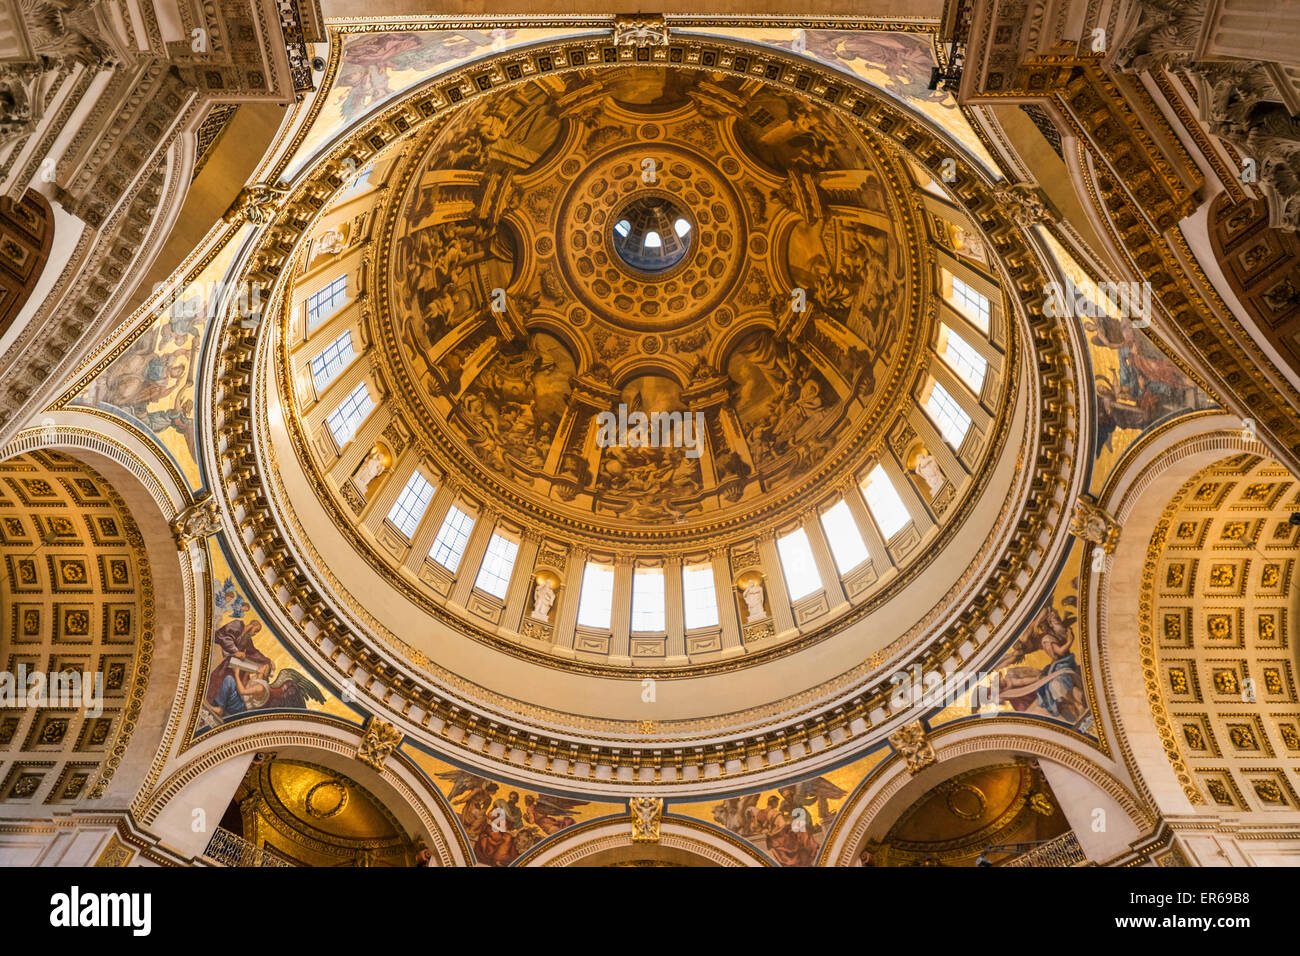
962,358
324,302
452,538
411,505
883,502
596,603
494,572
648,600
700,599
846,541
801,577
337,356
951,418
347,418
971,303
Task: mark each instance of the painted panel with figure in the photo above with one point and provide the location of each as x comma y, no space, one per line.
249,670
502,821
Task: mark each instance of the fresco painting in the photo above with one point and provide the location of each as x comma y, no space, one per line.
249,670
897,63
152,383
501,820
1042,672
789,823
1137,385
377,66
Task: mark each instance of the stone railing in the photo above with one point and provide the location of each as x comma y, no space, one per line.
1060,851
230,849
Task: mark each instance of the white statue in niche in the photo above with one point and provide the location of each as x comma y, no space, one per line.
543,598
370,469
753,595
930,472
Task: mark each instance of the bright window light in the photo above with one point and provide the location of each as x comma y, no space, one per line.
596,603
846,541
648,599
681,227
323,303
494,572
347,418
337,356
801,577
699,597
884,504
950,417
970,303
652,240
452,538
962,358
623,227
411,505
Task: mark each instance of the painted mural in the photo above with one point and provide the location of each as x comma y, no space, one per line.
1042,673
375,67
897,63
501,820
789,823
249,670
1137,386
152,383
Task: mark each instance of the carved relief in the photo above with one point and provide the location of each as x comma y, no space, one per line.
912,744
646,812
377,745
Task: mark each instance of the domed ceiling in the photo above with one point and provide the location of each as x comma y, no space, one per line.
700,250
550,269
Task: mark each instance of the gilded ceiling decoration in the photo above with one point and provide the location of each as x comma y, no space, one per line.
516,312
1219,607
625,408
308,815
76,629
490,346
980,817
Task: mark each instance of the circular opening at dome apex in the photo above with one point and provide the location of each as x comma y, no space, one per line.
652,234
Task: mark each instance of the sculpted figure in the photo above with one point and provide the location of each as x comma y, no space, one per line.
543,598
753,595
371,468
930,472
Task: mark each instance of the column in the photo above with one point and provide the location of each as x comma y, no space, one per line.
430,524
778,595
876,547
519,598
620,623
907,491
390,491
948,461
357,449
467,570
567,620
674,607
725,592
827,569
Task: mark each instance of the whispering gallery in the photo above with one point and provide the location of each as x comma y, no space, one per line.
864,437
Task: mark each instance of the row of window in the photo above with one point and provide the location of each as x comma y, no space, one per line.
885,505
847,546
